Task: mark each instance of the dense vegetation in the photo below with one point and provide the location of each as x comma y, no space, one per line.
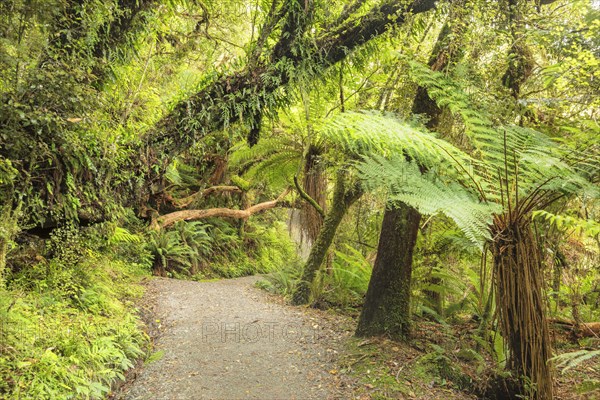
434,162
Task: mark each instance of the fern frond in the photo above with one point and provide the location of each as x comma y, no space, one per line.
429,194
570,360
588,227
273,160
521,154
277,170
363,133
122,235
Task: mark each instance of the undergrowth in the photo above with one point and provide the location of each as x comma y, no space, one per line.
220,249
68,327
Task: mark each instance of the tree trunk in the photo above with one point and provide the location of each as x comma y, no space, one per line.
342,200
521,307
387,305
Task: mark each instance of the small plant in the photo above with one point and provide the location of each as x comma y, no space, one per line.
169,252
195,236
572,359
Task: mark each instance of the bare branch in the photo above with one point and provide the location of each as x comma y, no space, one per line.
167,220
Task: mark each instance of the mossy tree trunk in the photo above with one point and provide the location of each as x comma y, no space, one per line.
387,302
343,198
387,305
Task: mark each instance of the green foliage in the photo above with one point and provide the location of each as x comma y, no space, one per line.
346,283
343,285
273,161
122,235
566,361
587,227
283,279
79,91
509,155
438,362
169,251
429,194
263,249
68,328
366,133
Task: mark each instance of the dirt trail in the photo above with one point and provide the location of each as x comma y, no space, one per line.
229,340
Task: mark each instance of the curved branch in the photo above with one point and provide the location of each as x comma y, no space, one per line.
167,220
308,199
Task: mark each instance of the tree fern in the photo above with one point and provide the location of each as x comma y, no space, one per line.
429,194
522,156
466,189
273,160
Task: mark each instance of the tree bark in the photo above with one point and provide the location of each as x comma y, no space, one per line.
342,200
387,305
186,201
315,187
579,330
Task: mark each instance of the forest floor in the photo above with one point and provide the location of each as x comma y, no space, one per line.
228,339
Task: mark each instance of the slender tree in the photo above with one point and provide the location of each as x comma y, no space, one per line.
344,195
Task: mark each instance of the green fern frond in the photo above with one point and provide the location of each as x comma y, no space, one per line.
588,227
429,194
368,132
572,359
122,235
273,160
278,170
525,156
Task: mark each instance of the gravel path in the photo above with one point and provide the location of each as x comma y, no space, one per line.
229,340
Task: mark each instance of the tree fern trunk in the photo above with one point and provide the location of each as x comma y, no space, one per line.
387,304
520,303
315,185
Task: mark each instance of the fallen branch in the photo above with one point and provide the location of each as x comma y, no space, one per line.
193,215
584,329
